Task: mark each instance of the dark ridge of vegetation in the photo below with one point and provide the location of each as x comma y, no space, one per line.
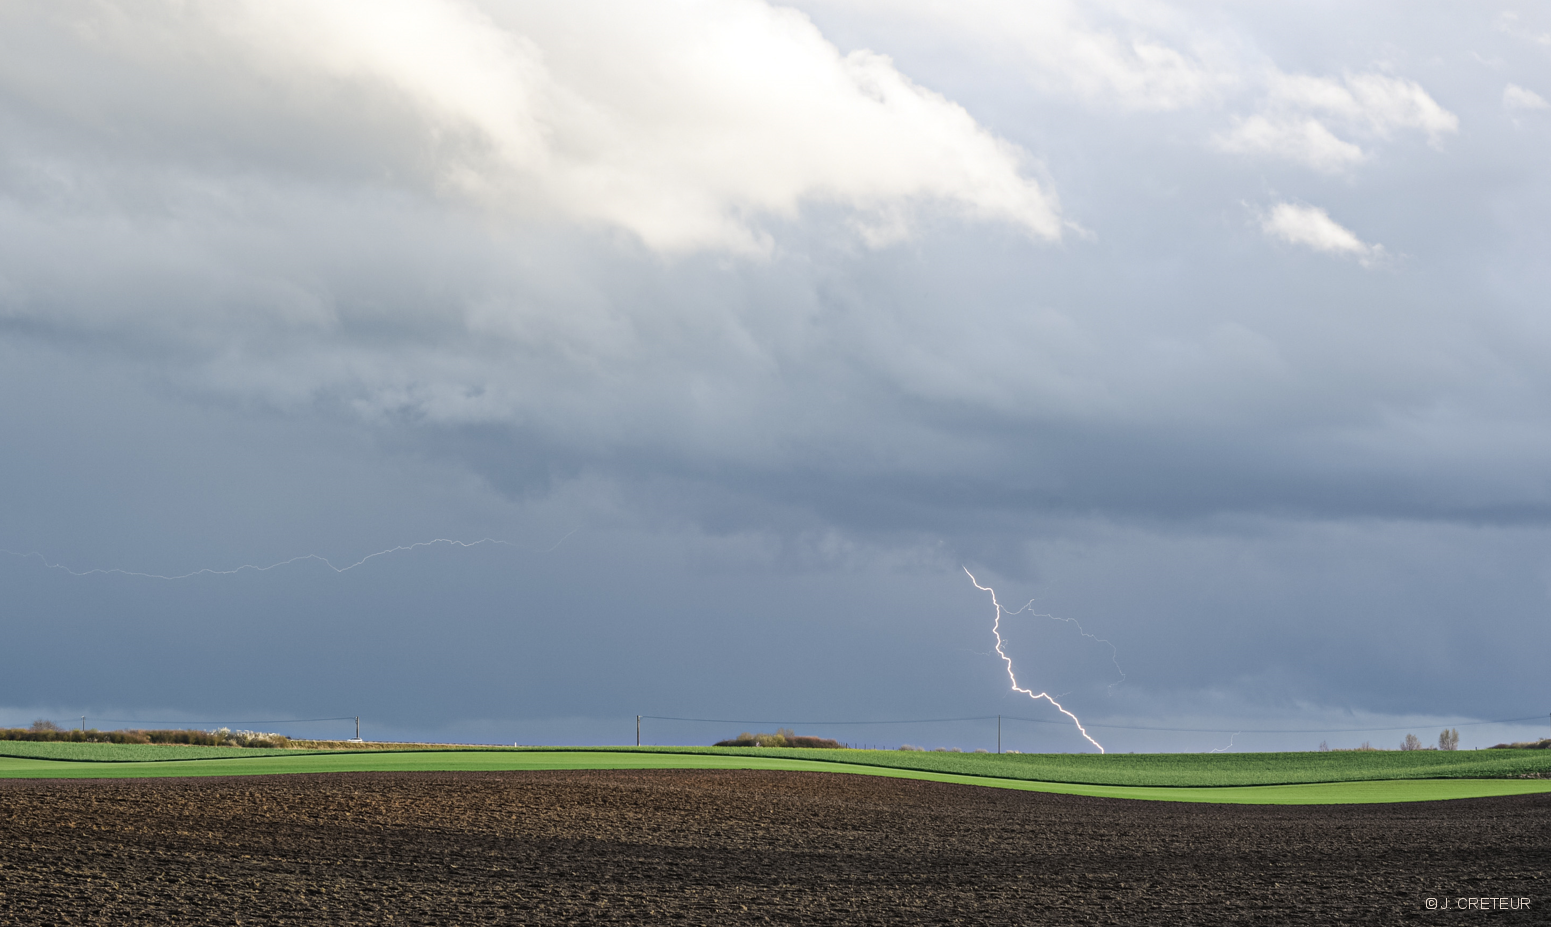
49,732
1542,744
783,737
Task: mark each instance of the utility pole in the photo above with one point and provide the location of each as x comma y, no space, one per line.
998,733
638,730
83,724
357,727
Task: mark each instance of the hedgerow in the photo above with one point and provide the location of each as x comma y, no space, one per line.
48,732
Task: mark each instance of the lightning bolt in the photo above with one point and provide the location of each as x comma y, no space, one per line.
264,569
1230,743
1114,653
996,628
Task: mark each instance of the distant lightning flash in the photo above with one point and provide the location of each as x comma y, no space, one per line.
264,569
1230,743
996,628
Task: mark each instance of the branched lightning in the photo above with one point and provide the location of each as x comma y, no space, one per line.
996,628
256,568
1230,743
1114,652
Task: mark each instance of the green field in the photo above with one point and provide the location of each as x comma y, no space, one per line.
1250,778
1210,769
1183,770
129,753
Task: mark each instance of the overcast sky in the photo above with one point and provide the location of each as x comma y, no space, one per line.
1219,332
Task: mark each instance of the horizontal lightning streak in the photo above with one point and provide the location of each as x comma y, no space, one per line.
996,628
1230,743
1114,652
246,567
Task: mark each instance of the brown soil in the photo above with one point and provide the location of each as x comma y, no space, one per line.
691,847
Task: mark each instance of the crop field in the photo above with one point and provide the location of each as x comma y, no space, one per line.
128,753
1164,770
1253,779
1184,770
1210,769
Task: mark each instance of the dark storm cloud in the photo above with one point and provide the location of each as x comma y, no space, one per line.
1221,334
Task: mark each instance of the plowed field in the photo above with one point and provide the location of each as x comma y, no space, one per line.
734,847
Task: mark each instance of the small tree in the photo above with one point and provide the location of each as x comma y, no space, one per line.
1412,742
43,726
1449,739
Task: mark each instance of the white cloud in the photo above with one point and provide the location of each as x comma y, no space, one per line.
1295,120
1149,56
1508,22
1519,99
1298,138
1121,54
1383,103
1312,227
681,122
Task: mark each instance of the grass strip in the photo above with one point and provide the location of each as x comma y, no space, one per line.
1403,790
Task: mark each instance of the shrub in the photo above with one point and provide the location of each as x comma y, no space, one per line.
914,749
820,743
783,737
255,739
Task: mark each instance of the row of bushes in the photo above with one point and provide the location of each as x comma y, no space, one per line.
1448,740
783,737
48,731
